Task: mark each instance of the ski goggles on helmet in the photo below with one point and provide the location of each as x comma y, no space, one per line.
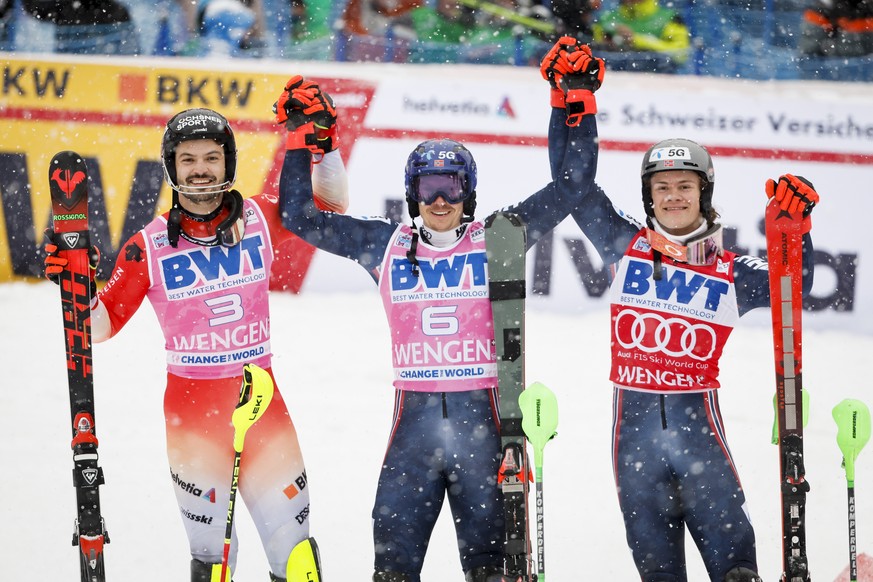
428,187
699,250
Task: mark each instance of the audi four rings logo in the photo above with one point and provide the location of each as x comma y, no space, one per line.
673,336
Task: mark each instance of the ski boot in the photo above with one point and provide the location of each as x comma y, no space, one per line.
304,564
203,572
485,574
741,574
391,577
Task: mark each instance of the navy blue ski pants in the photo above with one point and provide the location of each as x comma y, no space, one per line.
673,471
441,445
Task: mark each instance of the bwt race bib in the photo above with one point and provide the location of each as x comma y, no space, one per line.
668,334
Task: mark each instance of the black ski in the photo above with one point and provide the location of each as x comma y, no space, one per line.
505,237
68,183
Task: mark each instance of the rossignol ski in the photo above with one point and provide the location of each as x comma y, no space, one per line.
68,184
784,232
505,237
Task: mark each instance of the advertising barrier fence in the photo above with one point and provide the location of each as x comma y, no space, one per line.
114,112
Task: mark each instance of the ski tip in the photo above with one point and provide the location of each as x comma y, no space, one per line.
66,155
512,218
68,180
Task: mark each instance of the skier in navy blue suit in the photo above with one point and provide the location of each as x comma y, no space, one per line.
445,439
675,298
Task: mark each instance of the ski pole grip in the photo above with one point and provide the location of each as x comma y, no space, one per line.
539,408
254,398
853,432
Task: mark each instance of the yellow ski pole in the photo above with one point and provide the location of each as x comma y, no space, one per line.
254,398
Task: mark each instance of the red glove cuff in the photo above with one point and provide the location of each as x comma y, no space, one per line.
579,103
296,140
806,225
556,98
317,139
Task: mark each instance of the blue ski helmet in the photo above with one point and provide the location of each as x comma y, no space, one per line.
441,156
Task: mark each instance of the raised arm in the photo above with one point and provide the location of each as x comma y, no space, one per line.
608,229
574,75
310,117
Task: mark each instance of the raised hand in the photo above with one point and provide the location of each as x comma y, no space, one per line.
584,77
555,65
309,115
793,194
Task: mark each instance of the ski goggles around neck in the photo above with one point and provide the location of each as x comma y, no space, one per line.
699,250
428,187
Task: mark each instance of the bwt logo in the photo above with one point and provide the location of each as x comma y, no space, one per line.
639,281
440,274
212,263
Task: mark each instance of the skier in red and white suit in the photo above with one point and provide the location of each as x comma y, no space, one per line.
205,267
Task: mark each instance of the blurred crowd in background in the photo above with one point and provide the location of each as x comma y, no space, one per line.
750,39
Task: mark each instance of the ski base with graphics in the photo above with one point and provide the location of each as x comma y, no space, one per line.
68,185
784,232
505,243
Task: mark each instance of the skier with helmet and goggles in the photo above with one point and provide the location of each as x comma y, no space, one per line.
675,298
205,267
433,279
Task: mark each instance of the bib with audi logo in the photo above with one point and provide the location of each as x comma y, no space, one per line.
668,335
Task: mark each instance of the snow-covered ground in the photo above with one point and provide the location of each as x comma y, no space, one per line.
332,364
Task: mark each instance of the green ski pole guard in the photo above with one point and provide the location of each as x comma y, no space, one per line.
805,397
539,419
853,432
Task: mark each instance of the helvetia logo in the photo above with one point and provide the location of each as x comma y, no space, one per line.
505,109
193,489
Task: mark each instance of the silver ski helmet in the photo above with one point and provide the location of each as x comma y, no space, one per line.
679,154
441,156
198,124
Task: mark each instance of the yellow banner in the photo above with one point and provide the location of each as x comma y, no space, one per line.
77,85
115,115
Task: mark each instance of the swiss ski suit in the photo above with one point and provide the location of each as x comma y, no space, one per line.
672,465
212,305
444,440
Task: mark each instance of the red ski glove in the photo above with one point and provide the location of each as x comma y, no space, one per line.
794,194
309,115
54,263
579,84
555,65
